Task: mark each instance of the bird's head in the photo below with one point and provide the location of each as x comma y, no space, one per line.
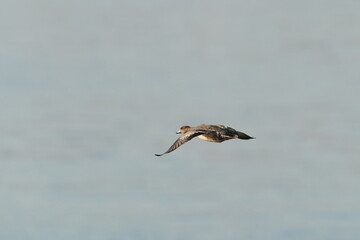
183,130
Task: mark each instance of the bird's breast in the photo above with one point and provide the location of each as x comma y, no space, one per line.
210,137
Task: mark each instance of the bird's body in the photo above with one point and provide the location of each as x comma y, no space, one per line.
206,132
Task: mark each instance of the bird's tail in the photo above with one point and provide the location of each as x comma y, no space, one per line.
244,136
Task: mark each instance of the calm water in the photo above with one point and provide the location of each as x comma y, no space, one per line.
90,90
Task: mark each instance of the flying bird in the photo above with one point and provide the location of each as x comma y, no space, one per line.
206,132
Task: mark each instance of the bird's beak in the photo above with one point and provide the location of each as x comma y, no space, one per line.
178,132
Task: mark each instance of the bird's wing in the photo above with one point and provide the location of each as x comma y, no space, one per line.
183,139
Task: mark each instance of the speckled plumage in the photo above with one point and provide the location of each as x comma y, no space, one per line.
211,133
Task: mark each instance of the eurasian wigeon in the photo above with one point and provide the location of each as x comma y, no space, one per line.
206,132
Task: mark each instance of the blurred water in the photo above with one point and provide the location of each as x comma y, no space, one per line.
90,90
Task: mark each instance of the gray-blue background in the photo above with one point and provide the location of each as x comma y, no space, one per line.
90,90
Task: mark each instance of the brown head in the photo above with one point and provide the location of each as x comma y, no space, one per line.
183,130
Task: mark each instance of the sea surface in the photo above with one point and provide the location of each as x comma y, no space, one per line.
90,90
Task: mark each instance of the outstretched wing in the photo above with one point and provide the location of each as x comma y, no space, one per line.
183,139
